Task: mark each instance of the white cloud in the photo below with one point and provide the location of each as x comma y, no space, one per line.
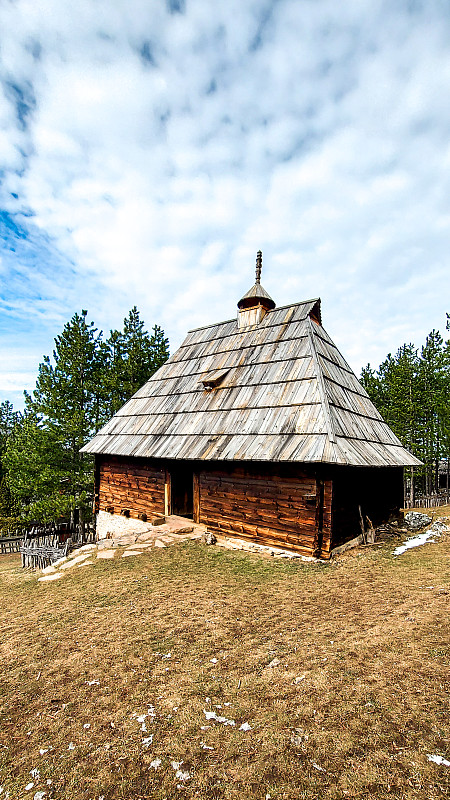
160,151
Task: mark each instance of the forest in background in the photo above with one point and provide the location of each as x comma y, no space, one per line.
411,390
43,475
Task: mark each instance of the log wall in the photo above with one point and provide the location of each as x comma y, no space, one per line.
133,485
274,506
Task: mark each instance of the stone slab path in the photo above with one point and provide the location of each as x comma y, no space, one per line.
175,529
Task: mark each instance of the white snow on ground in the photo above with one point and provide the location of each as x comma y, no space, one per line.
438,526
439,760
416,541
212,715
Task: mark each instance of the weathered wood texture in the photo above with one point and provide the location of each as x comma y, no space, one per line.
135,486
379,493
10,544
265,507
275,391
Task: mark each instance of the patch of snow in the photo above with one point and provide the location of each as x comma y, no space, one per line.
43,751
35,773
182,776
155,763
207,699
205,746
71,746
245,727
95,682
439,760
86,726
416,541
214,660
29,786
317,766
147,741
176,764
39,795
168,655
212,715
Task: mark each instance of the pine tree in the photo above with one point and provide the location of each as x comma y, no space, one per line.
8,421
434,377
77,390
133,357
65,407
412,392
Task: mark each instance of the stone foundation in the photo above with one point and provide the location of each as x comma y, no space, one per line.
110,526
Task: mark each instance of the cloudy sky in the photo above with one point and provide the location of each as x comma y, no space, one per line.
149,148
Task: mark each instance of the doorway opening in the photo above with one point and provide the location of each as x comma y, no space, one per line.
182,491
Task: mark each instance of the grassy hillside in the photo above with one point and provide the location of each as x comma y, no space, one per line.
109,678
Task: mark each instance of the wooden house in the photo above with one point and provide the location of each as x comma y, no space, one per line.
258,428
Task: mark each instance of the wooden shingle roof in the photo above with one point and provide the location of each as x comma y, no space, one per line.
276,391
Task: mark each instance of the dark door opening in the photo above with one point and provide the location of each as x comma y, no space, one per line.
182,491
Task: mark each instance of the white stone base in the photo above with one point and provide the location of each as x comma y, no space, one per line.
110,526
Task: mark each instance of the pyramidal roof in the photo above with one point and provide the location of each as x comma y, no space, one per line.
278,390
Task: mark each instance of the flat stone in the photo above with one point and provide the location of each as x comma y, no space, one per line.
86,547
131,553
123,541
106,554
147,537
74,561
60,561
85,563
140,546
159,543
54,577
49,570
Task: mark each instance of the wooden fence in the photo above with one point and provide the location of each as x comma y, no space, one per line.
428,501
41,545
10,544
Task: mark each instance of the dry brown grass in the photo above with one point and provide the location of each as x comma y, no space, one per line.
367,637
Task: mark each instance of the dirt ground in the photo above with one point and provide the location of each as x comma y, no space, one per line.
194,671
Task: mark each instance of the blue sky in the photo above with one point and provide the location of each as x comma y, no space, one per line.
149,148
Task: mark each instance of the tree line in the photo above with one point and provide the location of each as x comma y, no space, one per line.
43,475
411,390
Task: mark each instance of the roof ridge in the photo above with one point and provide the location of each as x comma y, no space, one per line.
321,383
233,319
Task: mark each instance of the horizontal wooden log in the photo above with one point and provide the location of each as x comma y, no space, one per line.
255,528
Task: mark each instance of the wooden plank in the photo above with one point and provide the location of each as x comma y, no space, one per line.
196,497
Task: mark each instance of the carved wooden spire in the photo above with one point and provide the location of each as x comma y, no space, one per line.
258,266
255,304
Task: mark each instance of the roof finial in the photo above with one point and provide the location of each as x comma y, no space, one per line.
258,266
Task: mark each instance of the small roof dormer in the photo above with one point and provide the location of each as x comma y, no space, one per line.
255,303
